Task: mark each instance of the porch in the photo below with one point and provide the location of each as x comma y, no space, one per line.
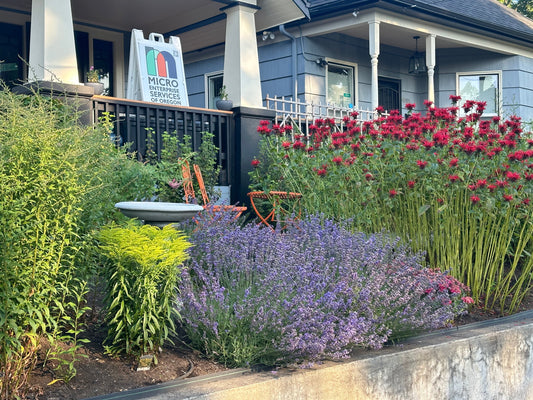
235,132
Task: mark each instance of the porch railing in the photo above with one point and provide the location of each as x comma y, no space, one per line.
305,114
133,119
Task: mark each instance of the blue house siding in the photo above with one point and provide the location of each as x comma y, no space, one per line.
524,83
195,77
275,65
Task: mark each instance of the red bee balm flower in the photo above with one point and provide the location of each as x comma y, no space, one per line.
421,164
392,193
513,176
411,184
255,163
455,99
475,199
453,162
507,197
298,145
453,178
502,183
337,160
322,172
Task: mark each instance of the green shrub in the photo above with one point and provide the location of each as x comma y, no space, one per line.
59,182
141,275
39,228
167,169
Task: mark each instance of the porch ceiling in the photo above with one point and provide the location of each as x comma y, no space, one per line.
199,23
401,37
397,30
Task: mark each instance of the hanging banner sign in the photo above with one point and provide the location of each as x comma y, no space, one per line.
156,72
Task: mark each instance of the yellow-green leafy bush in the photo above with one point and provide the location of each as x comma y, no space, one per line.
142,276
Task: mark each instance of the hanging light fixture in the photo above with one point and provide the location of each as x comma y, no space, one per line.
417,62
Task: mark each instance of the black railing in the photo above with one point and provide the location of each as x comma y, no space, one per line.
134,119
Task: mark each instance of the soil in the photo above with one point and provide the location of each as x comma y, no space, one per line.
99,374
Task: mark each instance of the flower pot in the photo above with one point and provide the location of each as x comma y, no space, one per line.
98,87
225,105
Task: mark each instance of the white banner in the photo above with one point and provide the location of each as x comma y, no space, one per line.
156,72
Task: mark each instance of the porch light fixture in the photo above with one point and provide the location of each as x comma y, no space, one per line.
268,35
417,62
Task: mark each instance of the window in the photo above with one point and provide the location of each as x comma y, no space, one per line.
10,54
340,87
104,50
213,85
481,87
103,61
389,93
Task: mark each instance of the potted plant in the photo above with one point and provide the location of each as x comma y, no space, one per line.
93,80
223,103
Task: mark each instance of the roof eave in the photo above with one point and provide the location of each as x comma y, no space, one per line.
416,8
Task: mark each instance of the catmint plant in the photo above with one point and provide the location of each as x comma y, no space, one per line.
250,295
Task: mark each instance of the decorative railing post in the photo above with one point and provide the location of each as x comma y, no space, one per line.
245,143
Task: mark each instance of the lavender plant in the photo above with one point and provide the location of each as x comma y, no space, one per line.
315,291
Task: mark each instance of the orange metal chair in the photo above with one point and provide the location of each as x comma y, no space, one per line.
282,207
190,195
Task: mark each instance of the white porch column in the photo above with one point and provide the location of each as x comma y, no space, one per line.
52,49
241,61
430,63
373,44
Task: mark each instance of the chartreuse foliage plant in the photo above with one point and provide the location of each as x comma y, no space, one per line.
142,276
250,295
58,181
456,187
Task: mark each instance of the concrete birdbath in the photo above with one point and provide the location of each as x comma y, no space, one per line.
158,213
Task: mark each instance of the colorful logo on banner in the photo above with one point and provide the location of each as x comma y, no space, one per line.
160,63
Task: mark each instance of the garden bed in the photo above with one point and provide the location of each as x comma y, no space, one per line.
99,374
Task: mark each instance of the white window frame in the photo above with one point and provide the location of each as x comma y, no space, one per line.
499,104
352,67
207,85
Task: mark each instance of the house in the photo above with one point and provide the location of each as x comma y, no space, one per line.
348,53
389,53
